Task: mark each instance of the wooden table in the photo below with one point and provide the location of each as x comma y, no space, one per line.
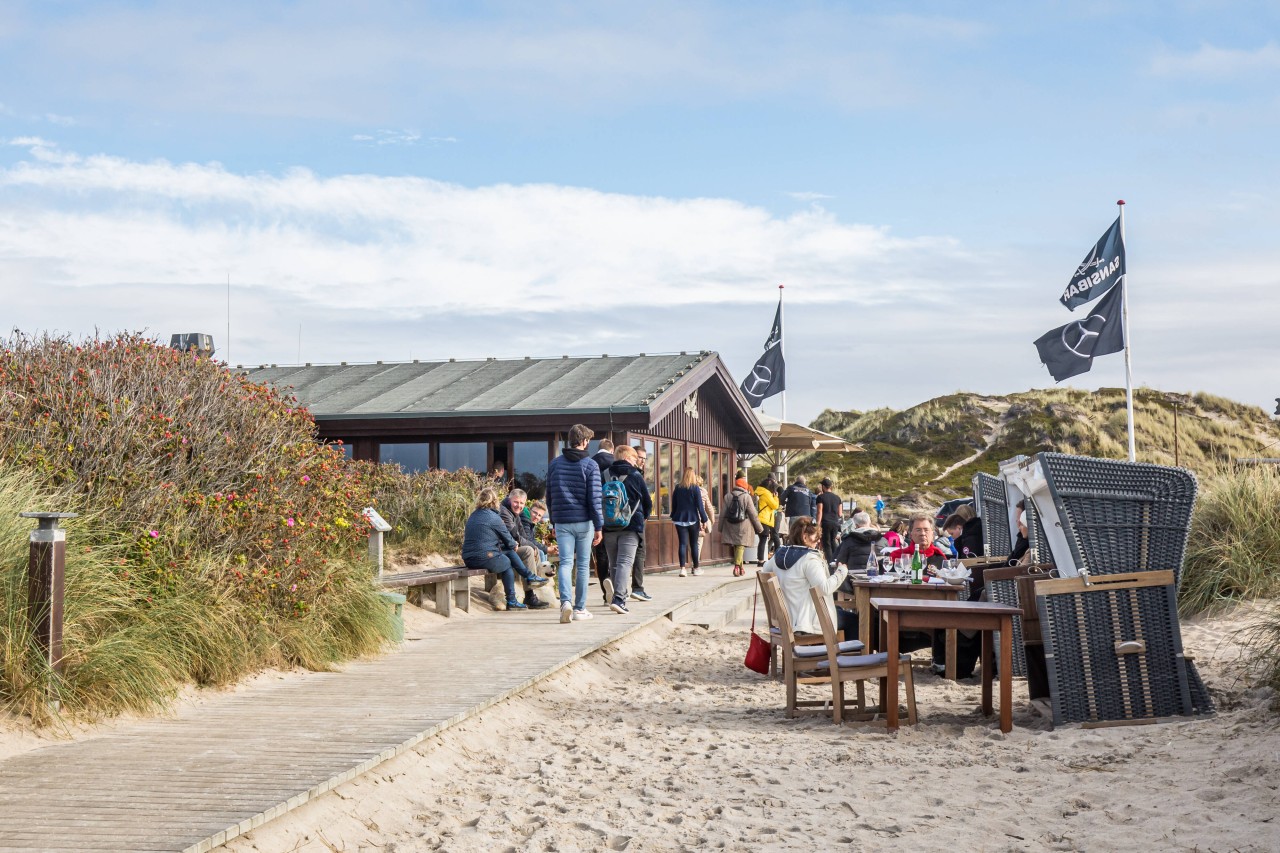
899,613
863,589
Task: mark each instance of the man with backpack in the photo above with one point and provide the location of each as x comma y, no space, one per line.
604,458
797,500
625,504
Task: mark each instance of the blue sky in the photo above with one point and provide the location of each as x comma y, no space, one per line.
422,180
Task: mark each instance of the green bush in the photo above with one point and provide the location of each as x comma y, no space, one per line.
218,536
1234,546
427,510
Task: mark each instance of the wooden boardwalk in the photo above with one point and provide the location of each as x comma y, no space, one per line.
222,768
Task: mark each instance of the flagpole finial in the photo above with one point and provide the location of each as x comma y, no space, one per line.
783,285
1120,202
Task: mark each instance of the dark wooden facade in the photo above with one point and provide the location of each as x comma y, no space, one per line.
697,418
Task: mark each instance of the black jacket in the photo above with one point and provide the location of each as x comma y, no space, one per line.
971,538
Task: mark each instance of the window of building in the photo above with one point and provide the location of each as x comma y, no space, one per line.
664,477
412,456
456,455
529,464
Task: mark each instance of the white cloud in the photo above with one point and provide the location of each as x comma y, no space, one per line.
809,196
1211,61
414,245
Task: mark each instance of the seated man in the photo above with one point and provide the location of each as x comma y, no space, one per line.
968,648
526,546
533,515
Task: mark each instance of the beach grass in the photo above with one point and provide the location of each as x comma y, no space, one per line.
1234,546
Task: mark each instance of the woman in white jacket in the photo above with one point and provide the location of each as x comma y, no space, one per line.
799,567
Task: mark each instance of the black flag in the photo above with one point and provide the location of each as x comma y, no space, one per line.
769,376
1103,267
1069,350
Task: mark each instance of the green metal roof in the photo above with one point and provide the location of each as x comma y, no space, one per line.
489,387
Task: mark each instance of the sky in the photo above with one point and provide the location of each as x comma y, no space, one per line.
397,180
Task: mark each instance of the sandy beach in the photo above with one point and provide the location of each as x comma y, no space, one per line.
665,742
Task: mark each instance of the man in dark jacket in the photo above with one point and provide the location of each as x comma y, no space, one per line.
604,458
624,541
573,506
526,547
797,500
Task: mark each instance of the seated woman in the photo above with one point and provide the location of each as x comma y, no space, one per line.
488,545
800,566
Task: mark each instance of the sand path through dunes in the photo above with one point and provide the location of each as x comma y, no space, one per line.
665,742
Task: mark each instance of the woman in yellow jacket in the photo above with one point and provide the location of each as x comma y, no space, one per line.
767,503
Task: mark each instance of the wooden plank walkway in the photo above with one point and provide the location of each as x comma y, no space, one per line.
191,782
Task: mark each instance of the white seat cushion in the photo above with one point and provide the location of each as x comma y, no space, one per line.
847,647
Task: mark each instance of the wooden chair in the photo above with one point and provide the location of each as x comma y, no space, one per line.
801,663
858,668
805,645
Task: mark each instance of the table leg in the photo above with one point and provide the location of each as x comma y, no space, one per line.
988,664
951,654
889,629
862,598
1006,674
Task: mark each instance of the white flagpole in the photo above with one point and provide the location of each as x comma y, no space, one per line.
782,342
1124,316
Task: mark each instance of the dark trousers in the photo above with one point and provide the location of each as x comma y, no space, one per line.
829,534
601,558
768,542
688,537
637,568
968,649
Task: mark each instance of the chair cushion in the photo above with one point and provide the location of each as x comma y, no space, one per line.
846,647
854,661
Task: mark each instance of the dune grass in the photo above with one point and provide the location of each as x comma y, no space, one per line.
1234,549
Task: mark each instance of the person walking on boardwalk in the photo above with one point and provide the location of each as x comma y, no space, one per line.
573,506
829,513
797,500
689,516
604,458
739,523
626,505
767,504
879,509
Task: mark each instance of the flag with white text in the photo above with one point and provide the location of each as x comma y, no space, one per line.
1103,267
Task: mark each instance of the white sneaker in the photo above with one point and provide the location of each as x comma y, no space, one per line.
566,612
683,573
581,615
608,590
697,572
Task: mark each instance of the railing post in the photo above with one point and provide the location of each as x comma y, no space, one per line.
46,569
377,526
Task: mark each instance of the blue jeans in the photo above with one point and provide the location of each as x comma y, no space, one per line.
504,564
574,539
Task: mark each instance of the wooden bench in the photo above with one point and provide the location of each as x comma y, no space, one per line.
449,585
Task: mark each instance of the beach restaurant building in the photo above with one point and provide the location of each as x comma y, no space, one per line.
685,409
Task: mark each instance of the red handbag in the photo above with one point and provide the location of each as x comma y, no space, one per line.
758,649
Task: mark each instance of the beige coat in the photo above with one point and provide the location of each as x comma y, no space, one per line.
744,532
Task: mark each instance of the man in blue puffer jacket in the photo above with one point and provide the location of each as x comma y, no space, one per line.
573,507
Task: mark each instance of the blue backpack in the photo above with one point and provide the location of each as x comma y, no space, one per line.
616,503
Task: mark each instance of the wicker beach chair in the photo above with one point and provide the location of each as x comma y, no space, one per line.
1104,516
993,509
1113,649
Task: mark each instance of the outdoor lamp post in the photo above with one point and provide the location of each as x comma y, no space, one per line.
46,569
